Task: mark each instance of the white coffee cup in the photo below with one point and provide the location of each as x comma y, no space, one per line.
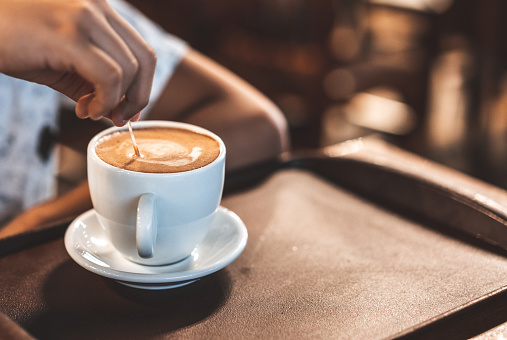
155,218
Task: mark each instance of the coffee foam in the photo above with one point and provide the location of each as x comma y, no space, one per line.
163,150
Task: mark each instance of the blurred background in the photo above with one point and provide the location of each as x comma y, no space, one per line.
427,75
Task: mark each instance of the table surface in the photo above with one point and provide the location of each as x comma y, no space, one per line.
321,262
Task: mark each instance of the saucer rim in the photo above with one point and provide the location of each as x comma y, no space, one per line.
174,277
158,286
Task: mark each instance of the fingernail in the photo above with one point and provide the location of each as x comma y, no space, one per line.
136,117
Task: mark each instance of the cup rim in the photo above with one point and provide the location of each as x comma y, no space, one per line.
150,123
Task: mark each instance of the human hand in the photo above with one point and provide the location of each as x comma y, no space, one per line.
81,48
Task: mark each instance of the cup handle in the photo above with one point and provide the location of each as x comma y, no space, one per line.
146,226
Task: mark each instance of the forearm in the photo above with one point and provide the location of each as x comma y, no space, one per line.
66,206
204,93
251,137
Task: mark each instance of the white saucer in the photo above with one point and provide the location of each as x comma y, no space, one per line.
89,247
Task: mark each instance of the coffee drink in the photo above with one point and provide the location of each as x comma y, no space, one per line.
157,210
163,150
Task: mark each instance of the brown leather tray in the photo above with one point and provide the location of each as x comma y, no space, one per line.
360,240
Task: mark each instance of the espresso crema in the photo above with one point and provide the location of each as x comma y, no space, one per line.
163,150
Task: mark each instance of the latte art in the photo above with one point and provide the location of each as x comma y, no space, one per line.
162,150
